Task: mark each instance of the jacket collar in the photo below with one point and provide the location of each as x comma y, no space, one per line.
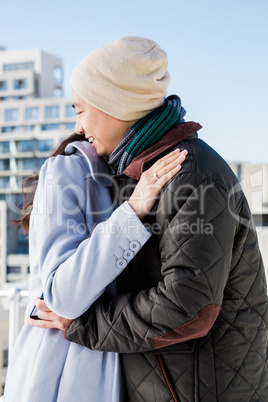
167,142
98,168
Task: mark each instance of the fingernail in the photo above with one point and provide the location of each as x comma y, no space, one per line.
176,150
184,152
178,167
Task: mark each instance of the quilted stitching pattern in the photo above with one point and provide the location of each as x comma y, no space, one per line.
224,267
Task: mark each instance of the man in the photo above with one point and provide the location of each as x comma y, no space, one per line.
190,317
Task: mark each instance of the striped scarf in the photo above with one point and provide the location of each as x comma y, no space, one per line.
146,132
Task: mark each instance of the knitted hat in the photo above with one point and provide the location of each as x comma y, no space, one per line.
126,79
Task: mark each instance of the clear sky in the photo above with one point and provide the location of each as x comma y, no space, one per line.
218,55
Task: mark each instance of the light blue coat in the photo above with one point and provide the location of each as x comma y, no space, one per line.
72,263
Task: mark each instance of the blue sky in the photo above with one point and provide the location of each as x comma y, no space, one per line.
218,55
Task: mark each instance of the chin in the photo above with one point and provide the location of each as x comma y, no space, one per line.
101,153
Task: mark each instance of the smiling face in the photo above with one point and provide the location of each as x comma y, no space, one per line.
104,131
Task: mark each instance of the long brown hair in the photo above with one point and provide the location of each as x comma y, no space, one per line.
30,183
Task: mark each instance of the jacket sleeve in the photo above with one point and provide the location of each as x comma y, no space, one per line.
196,251
77,262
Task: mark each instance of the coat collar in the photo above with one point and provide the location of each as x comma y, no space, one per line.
167,142
98,168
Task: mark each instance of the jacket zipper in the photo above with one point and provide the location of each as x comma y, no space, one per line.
166,377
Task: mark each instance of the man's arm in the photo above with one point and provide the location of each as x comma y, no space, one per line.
185,305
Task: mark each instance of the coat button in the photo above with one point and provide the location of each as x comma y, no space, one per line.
121,263
134,245
128,254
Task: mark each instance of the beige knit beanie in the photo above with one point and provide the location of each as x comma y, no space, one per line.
126,79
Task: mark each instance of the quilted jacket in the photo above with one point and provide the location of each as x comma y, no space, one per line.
190,319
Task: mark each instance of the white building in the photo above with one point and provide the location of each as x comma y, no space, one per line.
34,117
3,245
254,181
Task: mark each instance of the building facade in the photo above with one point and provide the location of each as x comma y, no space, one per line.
34,117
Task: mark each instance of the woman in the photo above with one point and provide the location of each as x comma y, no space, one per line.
74,258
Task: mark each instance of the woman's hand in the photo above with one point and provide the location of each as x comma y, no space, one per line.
48,319
153,180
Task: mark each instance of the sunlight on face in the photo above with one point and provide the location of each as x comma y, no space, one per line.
105,132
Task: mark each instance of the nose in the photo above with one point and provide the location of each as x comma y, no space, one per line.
78,128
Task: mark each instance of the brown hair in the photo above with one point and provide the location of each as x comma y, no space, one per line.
29,184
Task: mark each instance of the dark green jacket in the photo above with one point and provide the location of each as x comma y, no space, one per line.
190,319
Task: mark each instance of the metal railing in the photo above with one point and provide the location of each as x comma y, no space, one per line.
14,297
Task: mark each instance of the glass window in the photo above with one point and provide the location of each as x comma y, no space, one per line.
69,111
20,84
52,112
11,114
29,127
4,164
25,146
4,182
70,126
16,97
10,129
3,85
41,161
51,126
26,164
45,145
58,74
5,357
36,87
4,147
28,65
31,113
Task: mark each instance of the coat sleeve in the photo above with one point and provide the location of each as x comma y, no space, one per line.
196,251
77,262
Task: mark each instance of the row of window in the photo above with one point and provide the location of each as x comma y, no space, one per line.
27,146
15,97
5,181
37,127
17,84
22,164
28,65
33,113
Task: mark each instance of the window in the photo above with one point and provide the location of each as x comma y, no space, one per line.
11,114
4,147
13,270
31,113
51,126
16,97
70,126
25,146
4,182
69,111
4,164
20,84
41,161
5,357
3,85
29,65
26,164
10,129
36,87
45,145
52,112
58,74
